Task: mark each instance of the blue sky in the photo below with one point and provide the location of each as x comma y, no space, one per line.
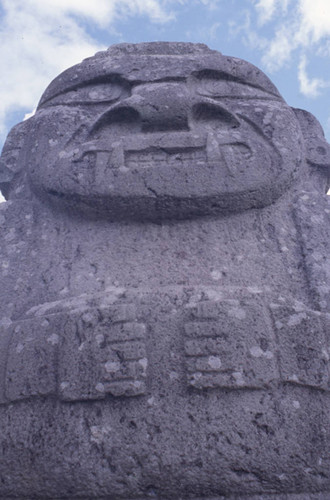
288,39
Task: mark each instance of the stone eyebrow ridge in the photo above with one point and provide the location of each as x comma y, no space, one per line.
219,75
53,92
124,58
118,79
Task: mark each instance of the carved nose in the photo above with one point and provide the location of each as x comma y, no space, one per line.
163,106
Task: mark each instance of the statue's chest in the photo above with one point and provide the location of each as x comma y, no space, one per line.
141,342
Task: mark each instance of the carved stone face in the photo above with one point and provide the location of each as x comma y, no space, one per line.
145,133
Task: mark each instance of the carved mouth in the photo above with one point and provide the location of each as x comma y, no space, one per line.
175,151
159,158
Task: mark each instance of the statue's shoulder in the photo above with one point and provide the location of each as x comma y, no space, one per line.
312,216
16,223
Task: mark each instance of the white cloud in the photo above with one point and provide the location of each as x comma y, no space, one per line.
297,25
310,87
29,115
267,8
40,38
213,30
295,28
102,12
315,20
210,4
249,35
278,50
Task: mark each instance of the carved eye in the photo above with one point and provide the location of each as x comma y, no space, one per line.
212,87
103,92
94,93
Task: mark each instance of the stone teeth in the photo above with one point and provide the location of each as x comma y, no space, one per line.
146,159
163,141
102,164
117,156
212,148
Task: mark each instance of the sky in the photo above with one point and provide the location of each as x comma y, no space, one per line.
288,39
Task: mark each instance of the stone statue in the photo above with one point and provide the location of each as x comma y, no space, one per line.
165,288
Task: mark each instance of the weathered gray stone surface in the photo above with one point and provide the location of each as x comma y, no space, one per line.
165,287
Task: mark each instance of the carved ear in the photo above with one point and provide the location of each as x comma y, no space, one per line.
10,161
317,148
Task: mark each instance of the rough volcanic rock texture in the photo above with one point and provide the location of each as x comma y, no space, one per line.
165,285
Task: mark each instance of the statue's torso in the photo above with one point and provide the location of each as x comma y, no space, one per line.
179,357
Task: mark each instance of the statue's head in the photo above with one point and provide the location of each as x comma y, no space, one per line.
162,130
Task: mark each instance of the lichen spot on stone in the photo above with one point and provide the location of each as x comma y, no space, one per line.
237,313
214,362
19,348
216,275
144,363
99,339
100,387
325,355
296,319
53,339
112,366
238,376
257,352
